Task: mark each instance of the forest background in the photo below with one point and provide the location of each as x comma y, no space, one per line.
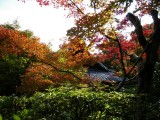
30,66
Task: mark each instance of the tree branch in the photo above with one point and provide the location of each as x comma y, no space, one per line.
77,7
139,59
138,29
65,71
156,20
121,55
151,49
126,75
42,61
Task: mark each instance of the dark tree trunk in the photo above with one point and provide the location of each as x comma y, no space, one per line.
150,47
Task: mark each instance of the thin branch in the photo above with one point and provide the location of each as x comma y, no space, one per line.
40,60
147,7
73,3
126,75
139,59
65,71
94,5
121,52
121,55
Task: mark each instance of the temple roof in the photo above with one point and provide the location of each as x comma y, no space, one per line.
101,72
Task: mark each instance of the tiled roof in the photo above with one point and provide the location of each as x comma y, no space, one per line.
103,75
101,72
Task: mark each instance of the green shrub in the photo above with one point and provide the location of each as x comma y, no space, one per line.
154,97
156,80
67,103
70,103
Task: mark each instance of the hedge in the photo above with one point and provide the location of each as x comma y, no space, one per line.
70,103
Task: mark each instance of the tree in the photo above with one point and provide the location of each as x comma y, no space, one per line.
13,67
30,66
73,56
110,50
99,22
150,47
17,53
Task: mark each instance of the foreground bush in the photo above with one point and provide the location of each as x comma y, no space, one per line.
70,103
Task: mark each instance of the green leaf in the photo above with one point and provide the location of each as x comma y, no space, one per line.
16,117
107,106
0,117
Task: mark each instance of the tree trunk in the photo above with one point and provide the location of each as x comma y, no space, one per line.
150,47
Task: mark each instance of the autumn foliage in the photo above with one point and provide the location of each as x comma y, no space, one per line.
16,43
73,56
42,67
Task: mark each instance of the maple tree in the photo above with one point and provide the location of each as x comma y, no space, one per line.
130,46
35,66
18,51
36,78
73,56
100,21
150,47
110,52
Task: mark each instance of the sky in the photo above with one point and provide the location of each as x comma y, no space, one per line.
47,23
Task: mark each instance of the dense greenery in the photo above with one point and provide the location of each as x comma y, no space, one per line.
71,103
13,67
68,102
33,78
